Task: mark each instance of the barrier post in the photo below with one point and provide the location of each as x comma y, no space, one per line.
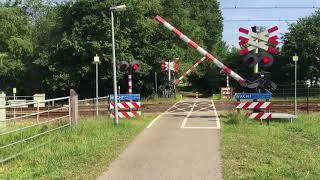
38,111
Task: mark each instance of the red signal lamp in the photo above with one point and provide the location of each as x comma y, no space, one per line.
135,66
266,60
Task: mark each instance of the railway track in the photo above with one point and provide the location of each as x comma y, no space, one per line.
278,106
83,110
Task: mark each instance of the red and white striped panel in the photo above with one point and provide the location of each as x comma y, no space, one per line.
203,52
127,115
126,105
253,105
184,75
260,115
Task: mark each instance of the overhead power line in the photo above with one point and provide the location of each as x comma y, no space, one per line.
265,20
270,7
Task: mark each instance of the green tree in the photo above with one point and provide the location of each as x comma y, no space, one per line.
303,38
16,47
85,30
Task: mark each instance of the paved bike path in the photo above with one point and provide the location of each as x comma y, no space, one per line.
181,144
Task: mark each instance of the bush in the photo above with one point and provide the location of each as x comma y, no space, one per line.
216,96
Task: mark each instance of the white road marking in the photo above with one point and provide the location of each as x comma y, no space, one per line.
215,115
188,115
178,109
200,128
204,108
155,119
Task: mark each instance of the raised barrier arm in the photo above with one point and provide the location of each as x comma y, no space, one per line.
184,75
203,52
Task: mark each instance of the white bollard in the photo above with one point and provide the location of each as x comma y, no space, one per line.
2,111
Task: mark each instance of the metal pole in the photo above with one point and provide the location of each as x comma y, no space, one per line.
156,82
228,81
130,84
169,71
38,111
174,85
115,94
308,99
14,109
97,91
295,89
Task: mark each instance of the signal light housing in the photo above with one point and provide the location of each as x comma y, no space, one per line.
135,66
265,59
123,65
251,59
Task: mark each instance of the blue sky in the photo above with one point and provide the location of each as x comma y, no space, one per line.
231,33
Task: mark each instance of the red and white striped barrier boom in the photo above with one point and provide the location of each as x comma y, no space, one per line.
253,105
203,52
126,105
184,75
260,115
127,115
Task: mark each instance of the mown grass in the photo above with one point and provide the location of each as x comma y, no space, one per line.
282,150
83,152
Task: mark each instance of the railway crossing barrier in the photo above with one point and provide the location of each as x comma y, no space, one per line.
258,108
129,106
261,110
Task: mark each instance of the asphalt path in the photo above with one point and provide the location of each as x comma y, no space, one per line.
181,143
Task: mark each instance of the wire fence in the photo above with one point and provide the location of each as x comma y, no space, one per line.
90,107
21,131
308,98
24,125
287,92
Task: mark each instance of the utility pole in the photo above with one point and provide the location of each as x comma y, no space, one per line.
169,71
96,60
156,82
115,94
295,58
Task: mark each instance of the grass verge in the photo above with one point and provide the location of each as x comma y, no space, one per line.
83,152
282,150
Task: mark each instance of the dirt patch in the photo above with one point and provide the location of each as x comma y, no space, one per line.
155,108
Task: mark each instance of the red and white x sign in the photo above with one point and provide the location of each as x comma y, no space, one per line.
258,40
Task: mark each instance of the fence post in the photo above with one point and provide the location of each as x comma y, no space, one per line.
73,107
38,111
2,111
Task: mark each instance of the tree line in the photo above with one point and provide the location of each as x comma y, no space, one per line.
48,46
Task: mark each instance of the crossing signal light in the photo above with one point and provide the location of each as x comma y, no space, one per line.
265,59
251,59
123,66
135,66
